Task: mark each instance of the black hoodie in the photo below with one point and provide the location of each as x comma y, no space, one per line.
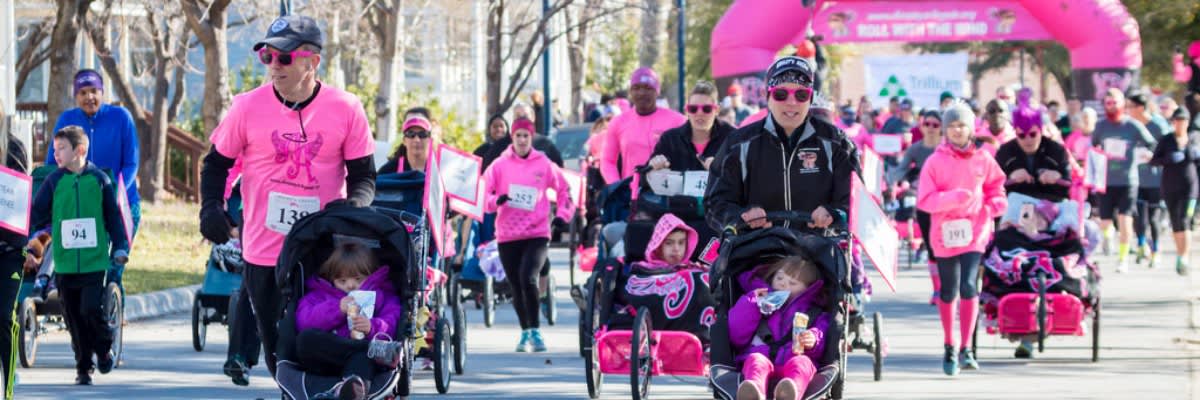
676,145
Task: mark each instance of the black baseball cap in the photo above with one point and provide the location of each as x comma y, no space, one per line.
289,32
791,64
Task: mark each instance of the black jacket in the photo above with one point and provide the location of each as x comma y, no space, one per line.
1050,155
1180,177
676,145
759,170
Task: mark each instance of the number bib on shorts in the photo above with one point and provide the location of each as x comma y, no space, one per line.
79,233
522,197
284,210
956,233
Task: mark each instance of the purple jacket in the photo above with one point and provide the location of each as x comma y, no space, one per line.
744,318
321,307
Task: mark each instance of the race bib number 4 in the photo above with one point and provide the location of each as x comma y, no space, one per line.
522,197
956,233
284,210
79,233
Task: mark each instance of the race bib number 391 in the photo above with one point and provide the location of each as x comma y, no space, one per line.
283,210
79,233
957,233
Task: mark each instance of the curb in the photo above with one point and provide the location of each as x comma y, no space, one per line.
160,303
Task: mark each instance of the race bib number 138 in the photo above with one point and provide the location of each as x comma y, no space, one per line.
284,210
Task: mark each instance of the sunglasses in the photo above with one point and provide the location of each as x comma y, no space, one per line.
801,94
1026,135
695,108
417,133
933,125
266,56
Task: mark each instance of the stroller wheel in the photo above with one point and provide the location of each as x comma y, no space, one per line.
459,338
199,324
589,323
489,302
549,307
30,330
878,345
442,351
641,355
114,310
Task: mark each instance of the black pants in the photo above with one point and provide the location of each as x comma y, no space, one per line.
923,222
958,275
259,283
1177,210
1149,210
83,297
11,274
243,332
523,261
325,353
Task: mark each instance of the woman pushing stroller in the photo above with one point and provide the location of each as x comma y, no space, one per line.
772,331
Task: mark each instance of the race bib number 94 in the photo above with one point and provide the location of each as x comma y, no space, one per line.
284,210
956,233
522,197
79,233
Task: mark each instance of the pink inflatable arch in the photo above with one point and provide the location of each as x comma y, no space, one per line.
1102,37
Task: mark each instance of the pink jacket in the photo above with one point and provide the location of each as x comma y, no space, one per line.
666,224
320,308
958,187
1006,135
1078,145
631,137
535,173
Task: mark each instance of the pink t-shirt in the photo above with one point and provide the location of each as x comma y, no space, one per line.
290,171
1078,145
631,137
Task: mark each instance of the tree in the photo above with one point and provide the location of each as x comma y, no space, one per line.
386,18
1164,25
653,32
63,60
580,21
35,52
167,30
207,20
500,95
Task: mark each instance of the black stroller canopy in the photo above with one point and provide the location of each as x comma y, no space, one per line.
312,238
745,252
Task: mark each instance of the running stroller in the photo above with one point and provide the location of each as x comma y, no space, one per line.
402,194
1038,281
743,252
644,322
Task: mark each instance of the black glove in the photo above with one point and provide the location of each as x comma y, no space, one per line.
214,224
502,199
561,224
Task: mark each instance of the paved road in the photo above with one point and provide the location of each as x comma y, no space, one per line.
1145,337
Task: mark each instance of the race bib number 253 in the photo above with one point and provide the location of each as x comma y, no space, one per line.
284,210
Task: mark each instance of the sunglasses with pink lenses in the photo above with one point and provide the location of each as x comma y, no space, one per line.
801,94
695,108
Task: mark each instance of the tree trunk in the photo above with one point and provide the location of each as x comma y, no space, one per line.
63,58
390,73
653,32
578,55
210,28
495,67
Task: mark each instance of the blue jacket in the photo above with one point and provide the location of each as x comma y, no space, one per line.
113,142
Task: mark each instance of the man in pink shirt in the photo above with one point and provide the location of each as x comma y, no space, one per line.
632,135
303,146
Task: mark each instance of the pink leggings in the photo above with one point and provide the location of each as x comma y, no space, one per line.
760,370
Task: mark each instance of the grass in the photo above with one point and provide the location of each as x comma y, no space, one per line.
168,251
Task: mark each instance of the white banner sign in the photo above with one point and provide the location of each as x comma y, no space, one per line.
921,78
873,231
16,191
459,172
435,205
474,211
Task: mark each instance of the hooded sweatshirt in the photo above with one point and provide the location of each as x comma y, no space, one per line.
744,318
526,215
631,138
320,308
962,190
666,224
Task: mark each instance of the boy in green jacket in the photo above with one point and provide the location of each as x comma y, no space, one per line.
78,204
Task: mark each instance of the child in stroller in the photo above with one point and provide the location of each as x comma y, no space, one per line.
771,346
668,264
329,318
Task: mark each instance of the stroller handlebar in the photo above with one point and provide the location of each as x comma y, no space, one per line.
798,220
